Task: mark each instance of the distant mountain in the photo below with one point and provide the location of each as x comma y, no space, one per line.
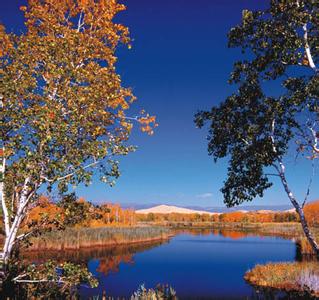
167,209
216,209
244,208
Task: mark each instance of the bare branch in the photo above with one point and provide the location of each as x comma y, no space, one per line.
309,185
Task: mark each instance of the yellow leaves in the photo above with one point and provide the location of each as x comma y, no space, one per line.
305,61
98,131
23,8
148,123
5,41
127,125
119,102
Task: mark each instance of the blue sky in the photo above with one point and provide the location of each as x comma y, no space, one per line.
179,64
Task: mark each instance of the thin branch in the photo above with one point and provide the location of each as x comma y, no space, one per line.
70,174
245,141
315,146
272,136
309,185
19,279
80,22
271,174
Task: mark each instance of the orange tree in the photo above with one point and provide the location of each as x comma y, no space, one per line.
64,108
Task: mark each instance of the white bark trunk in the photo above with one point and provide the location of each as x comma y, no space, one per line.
299,210
11,236
2,196
308,50
4,210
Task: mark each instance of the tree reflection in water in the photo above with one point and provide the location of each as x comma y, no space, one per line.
109,257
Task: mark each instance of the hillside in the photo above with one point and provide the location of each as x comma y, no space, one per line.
167,209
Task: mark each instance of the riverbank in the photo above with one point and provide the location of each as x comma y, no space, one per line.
284,229
78,238
301,278
289,230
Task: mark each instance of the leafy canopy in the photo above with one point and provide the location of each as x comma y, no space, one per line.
64,108
252,126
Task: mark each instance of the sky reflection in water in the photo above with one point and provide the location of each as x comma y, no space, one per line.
196,266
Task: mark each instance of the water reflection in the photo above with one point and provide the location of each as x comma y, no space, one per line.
197,263
109,257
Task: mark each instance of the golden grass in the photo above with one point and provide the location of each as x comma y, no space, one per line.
290,277
76,238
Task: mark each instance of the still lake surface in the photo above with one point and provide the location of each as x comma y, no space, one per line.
198,265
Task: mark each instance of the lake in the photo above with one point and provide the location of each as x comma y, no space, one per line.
203,264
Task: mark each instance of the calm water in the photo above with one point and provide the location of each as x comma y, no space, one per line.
197,266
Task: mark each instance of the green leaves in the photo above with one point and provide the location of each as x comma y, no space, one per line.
64,102
253,129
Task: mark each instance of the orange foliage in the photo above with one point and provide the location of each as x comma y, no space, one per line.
96,216
113,215
231,217
234,235
45,210
111,264
236,216
312,213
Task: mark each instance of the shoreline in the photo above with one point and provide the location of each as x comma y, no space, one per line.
84,238
104,245
293,278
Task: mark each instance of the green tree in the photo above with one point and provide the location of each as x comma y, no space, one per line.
256,129
63,105
74,211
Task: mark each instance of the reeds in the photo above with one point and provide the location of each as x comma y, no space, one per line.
291,277
76,238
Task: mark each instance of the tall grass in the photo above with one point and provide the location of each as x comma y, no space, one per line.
76,238
292,277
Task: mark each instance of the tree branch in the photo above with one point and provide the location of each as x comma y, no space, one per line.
309,185
271,174
307,48
70,174
315,146
272,136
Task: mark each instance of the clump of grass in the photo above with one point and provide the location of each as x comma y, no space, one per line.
305,247
290,277
76,238
310,280
161,292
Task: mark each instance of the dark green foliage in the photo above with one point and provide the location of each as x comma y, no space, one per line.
253,127
46,281
74,211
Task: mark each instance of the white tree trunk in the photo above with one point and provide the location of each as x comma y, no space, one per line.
299,210
11,235
4,209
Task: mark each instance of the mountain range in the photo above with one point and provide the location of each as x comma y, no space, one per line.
166,209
